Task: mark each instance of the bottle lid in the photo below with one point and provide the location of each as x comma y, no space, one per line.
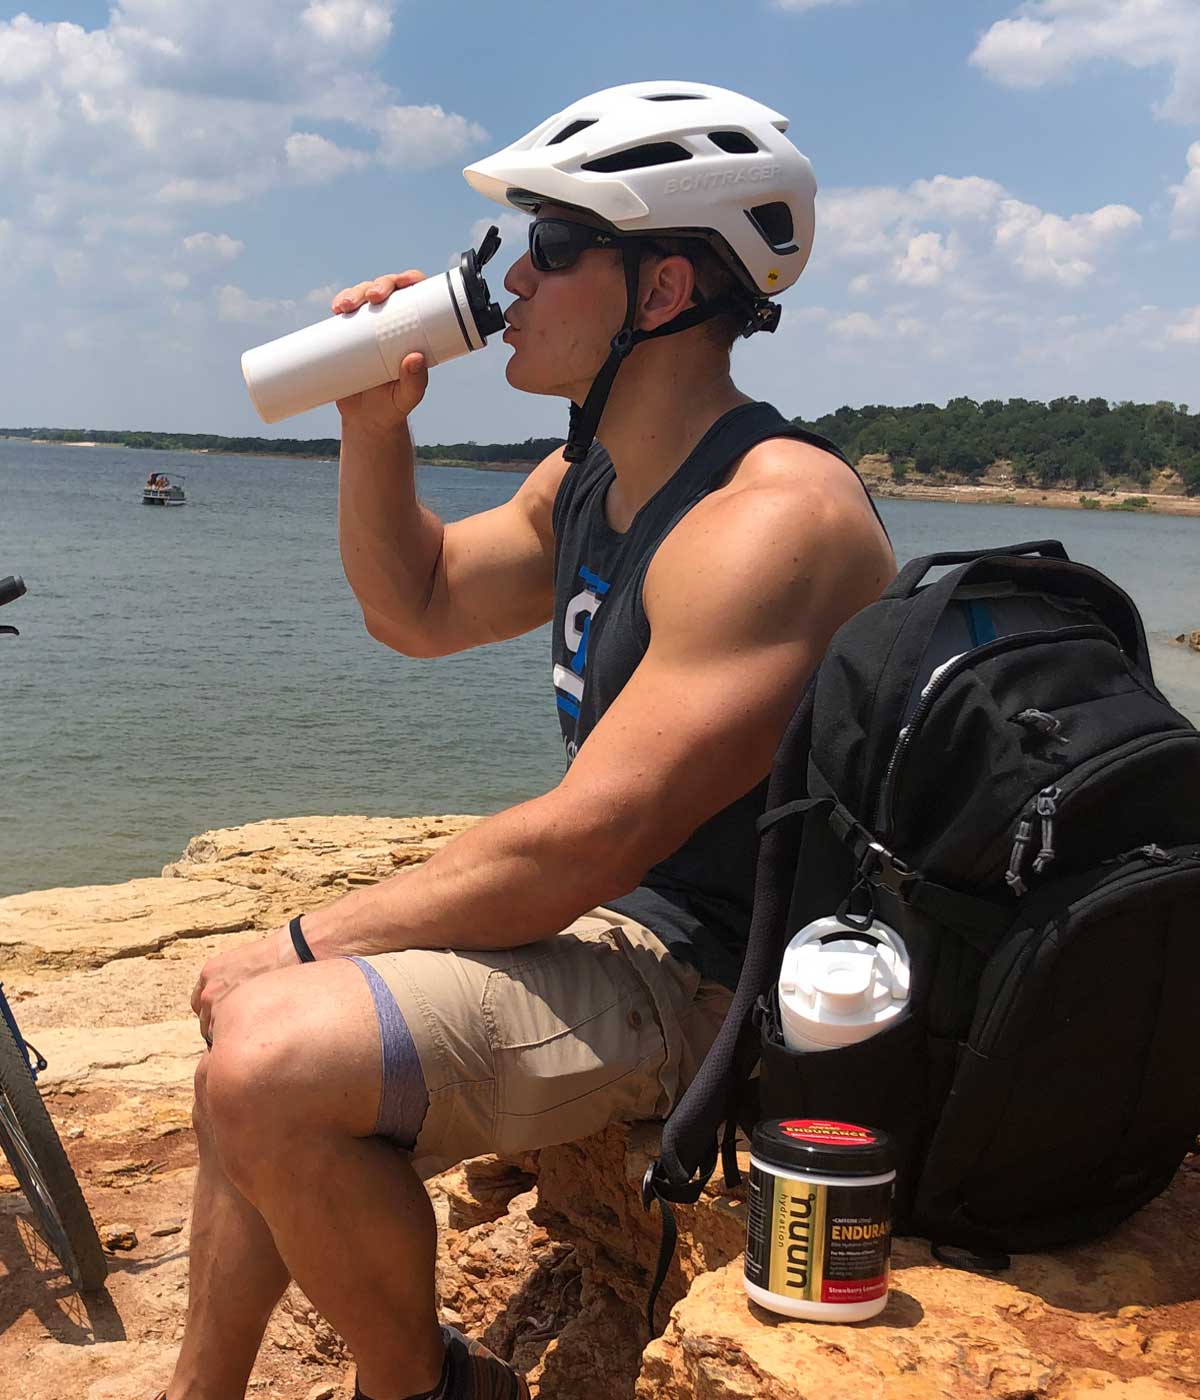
823,1146
838,985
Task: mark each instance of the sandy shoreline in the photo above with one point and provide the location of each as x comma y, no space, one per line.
1035,496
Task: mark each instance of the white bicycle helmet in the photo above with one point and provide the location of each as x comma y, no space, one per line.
685,160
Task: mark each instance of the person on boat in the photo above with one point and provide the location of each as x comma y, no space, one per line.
566,963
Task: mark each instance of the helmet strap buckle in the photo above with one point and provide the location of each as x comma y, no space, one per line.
765,316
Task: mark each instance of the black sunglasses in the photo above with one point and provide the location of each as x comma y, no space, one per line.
556,244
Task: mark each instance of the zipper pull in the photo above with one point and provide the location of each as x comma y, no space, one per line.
1047,726
1047,809
1022,839
1155,854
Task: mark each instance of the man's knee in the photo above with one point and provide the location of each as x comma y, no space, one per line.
200,1117
240,1095
286,1064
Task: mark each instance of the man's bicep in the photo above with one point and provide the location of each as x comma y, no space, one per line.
495,576
684,739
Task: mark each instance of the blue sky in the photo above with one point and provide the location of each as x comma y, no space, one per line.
1010,192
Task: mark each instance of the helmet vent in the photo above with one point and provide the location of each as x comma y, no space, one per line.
774,223
674,97
572,130
737,143
637,157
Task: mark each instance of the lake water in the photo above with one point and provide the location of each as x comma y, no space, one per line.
191,668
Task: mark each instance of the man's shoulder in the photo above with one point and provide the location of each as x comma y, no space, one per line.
770,527
785,478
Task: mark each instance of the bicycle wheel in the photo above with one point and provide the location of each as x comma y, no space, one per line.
39,1163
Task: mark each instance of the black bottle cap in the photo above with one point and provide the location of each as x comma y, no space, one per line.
823,1146
487,315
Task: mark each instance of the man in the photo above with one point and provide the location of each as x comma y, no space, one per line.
565,963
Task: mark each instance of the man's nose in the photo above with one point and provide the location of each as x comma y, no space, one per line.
521,278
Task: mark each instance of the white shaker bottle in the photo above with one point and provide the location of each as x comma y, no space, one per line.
839,985
442,317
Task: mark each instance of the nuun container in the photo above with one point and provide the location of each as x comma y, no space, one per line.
819,1224
839,985
443,317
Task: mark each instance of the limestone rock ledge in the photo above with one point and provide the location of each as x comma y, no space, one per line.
1118,1318
547,1259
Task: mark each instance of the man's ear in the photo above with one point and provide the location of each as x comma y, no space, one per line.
666,291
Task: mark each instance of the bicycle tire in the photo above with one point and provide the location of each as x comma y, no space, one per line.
31,1144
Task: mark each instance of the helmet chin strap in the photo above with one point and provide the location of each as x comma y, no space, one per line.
585,419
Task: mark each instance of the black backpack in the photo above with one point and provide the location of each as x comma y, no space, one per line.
985,764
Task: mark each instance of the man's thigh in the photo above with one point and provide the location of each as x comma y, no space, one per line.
548,1042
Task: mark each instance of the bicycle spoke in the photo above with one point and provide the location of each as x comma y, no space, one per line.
26,1169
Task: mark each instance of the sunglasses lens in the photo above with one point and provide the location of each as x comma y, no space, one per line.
555,244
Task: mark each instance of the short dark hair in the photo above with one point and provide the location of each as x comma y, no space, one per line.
713,279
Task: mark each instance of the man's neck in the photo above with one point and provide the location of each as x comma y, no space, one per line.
658,411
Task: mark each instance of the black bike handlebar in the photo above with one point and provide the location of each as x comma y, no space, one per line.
11,588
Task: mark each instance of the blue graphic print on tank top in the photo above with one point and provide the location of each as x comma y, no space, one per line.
698,899
577,624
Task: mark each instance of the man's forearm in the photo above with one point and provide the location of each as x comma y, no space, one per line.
517,877
389,542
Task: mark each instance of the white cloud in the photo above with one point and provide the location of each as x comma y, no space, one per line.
115,140
314,160
927,259
354,25
213,247
177,103
969,197
234,304
418,137
1047,247
1047,40
962,233
1185,215
1184,328
858,325
891,325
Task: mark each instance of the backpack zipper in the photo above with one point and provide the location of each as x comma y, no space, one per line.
946,674
1049,805
1045,806
1160,864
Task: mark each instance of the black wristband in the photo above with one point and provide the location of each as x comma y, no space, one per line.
303,951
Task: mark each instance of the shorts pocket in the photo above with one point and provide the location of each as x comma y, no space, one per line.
575,1042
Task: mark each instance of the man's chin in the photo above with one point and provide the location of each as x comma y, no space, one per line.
525,378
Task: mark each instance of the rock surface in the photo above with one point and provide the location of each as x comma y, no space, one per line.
547,1259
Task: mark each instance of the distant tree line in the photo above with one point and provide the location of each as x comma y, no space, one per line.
184,442
531,450
1069,442
1074,443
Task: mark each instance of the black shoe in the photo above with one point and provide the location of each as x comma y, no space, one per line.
477,1373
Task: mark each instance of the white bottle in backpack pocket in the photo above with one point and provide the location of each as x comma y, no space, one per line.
838,985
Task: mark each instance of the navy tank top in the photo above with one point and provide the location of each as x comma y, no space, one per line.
698,899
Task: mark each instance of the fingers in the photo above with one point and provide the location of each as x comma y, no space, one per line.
376,291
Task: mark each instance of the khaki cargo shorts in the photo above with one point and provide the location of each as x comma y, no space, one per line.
551,1041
